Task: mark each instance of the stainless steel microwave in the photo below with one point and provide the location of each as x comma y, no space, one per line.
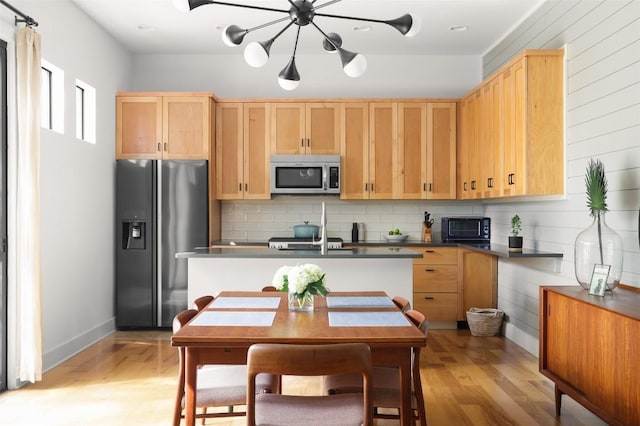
466,229
305,174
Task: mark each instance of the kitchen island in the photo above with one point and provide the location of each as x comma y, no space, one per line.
212,270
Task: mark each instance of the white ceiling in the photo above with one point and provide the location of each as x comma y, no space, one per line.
199,31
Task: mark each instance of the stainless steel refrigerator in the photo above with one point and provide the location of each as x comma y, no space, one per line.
161,209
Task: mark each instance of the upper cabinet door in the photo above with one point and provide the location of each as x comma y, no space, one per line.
138,127
256,151
441,151
288,128
412,151
229,151
322,128
354,146
186,127
383,152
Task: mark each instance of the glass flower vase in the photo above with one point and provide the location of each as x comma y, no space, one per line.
598,245
303,304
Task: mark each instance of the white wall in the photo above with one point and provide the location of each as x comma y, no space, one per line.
228,76
602,121
78,184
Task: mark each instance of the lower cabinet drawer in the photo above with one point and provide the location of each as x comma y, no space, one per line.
435,278
437,306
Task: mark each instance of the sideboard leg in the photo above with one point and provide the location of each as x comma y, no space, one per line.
558,395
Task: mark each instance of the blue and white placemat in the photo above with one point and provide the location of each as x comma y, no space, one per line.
230,319
368,319
359,302
246,302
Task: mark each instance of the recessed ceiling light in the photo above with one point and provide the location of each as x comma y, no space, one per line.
362,28
459,28
143,27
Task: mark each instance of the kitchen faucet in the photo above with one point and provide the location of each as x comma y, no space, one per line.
322,242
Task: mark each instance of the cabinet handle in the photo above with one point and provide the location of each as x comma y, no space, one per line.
240,187
490,182
429,270
429,251
430,187
473,185
302,142
429,298
366,187
372,188
511,181
159,147
165,147
308,143
246,187
424,187
464,186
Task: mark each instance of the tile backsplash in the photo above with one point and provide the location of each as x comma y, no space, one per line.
263,219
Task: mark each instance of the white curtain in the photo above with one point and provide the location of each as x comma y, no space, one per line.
27,250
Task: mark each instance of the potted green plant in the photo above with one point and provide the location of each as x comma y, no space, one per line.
598,244
515,239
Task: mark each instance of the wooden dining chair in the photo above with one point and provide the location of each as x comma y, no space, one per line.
309,360
201,302
218,385
386,382
269,288
402,303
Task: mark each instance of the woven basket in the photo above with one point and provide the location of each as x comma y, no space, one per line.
484,321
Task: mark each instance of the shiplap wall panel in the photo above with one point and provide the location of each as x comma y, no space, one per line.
602,41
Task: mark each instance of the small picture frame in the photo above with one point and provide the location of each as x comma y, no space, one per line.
599,280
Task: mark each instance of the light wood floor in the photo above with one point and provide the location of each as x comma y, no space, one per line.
129,378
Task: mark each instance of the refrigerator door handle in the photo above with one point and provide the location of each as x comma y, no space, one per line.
159,244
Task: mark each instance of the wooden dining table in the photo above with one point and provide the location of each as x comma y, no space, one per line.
222,332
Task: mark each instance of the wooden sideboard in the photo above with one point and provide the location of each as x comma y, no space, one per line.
590,349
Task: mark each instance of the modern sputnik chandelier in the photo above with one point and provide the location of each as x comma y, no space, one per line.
301,14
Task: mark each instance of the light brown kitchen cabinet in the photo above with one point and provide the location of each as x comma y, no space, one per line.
163,126
512,130
589,348
242,151
383,152
305,128
354,148
435,283
534,145
478,280
411,174
441,151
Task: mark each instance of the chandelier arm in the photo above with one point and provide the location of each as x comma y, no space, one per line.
324,4
354,18
259,27
325,36
294,5
282,30
295,46
197,3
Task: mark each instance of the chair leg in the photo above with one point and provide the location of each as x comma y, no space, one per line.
204,412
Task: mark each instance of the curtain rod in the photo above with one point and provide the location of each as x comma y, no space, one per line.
28,20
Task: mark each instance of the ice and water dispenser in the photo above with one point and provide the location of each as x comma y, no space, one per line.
133,234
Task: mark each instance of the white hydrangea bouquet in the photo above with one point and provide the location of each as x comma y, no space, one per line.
302,282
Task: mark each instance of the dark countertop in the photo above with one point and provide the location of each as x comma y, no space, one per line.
267,253
500,250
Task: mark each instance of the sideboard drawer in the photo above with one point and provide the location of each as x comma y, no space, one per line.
437,306
435,278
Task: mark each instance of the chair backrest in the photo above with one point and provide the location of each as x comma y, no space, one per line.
178,322
402,303
418,319
269,288
201,302
309,360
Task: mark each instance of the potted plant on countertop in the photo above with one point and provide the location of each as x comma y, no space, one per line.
515,239
598,244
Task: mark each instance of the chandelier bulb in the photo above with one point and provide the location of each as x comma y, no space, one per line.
289,78
330,47
256,54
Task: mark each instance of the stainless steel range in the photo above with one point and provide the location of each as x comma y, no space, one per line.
286,243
